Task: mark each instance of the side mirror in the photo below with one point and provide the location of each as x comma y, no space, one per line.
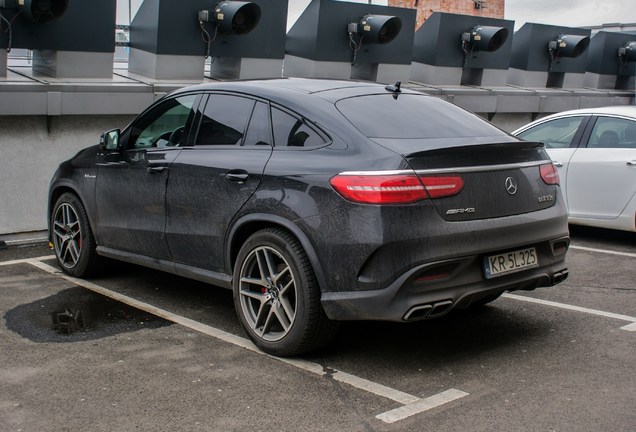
110,140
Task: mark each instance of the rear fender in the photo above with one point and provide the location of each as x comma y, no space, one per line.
248,224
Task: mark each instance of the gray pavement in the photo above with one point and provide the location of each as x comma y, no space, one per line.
524,366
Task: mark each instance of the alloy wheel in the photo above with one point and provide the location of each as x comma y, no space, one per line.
67,235
267,291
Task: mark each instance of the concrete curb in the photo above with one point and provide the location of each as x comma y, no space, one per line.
23,239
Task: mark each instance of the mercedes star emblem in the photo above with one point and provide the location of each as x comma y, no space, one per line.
511,186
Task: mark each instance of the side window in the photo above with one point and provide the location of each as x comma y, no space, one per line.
291,131
557,133
259,131
165,125
611,132
224,120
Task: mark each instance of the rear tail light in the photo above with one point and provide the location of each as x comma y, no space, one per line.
549,174
379,189
373,188
442,186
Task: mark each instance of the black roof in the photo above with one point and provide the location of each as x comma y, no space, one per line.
289,88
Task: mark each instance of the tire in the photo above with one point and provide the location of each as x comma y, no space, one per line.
72,238
277,297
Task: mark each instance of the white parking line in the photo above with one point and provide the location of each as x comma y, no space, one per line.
412,404
25,260
421,405
605,251
629,327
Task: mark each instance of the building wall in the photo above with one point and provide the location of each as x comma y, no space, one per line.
488,8
32,147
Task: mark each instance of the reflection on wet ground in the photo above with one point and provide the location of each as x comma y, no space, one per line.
77,314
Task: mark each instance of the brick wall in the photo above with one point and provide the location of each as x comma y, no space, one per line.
489,8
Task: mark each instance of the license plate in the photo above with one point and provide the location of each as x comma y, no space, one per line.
510,262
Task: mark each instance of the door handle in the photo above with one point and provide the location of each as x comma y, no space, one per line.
155,170
632,163
557,164
237,176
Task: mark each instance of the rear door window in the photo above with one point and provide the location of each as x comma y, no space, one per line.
224,120
259,131
611,132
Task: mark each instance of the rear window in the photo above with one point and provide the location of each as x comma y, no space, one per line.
412,116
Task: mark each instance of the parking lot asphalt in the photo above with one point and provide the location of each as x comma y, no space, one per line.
163,353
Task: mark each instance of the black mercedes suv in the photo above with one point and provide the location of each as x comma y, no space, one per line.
316,201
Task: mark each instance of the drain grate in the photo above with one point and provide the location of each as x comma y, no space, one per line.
68,321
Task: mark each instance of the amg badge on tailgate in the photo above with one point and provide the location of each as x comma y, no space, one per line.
460,211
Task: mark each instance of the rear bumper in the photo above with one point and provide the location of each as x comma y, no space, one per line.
424,291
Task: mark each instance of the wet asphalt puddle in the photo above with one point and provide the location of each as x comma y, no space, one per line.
76,314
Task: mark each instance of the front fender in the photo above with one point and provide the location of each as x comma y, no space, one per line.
62,184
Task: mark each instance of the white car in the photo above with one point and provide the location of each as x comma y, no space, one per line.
595,153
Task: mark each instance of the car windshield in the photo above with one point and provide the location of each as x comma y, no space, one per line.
557,133
412,116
